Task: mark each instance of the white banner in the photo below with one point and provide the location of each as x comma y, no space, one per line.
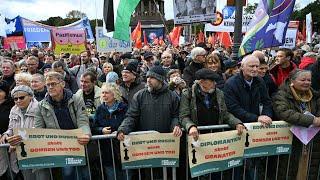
290,41
309,27
108,44
187,12
227,24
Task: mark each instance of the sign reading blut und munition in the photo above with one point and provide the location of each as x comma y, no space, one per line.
68,41
215,152
267,141
151,150
46,148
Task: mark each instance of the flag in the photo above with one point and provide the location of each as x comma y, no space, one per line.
225,39
268,26
108,15
200,37
308,28
145,40
174,35
161,42
3,26
124,12
136,36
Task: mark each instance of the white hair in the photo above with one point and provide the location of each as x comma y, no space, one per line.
197,51
248,58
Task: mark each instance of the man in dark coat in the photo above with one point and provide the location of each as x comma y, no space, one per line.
198,59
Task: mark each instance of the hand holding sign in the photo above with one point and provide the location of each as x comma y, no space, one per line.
264,120
14,140
193,131
83,139
177,132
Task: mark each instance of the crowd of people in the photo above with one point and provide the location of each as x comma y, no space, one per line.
160,88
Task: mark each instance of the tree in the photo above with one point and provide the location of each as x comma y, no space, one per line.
300,15
75,14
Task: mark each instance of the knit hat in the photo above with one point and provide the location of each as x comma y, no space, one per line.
22,88
158,73
132,67
4,86
112,77
126,56
206,73
147,55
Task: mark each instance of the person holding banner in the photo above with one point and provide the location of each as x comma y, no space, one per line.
108,117
298,104
61,109
204,105
22,115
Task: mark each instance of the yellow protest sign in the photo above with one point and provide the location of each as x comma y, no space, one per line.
150,150
68,41
215,152
42,148
266,141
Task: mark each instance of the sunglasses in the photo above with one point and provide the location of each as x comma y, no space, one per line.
21,98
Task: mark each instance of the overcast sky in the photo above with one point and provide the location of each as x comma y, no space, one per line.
43,9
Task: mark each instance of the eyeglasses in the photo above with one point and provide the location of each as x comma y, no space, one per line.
166,57
53,84
21,98
31,64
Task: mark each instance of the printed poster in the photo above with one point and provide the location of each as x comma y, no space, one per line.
108,44
150,150
267,141
68,41
215,152
14,42
46,148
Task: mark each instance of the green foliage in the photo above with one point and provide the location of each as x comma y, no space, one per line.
313,7
75,14
251,8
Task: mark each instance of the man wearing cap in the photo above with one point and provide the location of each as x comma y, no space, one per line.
131,82
204,105
125,59
152,108
148,62
61,109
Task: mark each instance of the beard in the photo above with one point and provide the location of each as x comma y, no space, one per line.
152,88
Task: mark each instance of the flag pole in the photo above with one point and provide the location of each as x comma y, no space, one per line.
162,19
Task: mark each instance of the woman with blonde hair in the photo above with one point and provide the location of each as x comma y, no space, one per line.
106,68
23,79
108,117
213,63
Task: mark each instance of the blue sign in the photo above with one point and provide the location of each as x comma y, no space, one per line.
14,26
36,33
228,11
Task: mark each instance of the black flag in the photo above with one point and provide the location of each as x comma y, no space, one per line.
108,15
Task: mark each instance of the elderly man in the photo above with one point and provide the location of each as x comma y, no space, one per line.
166,60
8,71
38,86
198,55
32,63
62,110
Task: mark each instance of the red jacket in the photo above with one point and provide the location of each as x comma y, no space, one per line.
306,61
279,74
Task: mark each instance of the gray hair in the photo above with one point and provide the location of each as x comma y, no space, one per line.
40,76
248,58
112,87
26,77
108,64
197,51
54,75
297,72
10,62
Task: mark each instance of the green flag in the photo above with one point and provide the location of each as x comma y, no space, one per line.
124,11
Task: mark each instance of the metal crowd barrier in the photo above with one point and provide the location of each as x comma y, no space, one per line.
214,128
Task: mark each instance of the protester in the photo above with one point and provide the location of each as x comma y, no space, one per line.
213,63
60,109
198,59
176,83
69,79
106,68
32,63
8,71
23,79
38,86
108,117
298,104
22,115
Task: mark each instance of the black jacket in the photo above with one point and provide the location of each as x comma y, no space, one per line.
157,111
315,69
244,102
190,71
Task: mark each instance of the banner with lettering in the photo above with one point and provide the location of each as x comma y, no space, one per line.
150,150
68,41
14,43
46,148
290,40
215,152
267,141
108,44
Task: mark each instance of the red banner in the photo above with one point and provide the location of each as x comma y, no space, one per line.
14,42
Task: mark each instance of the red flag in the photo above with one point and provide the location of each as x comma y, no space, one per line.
225,39
161,42
136,36
175,35
145,40
200,37
155,41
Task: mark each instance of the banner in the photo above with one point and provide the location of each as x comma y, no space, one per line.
46,148
35,32
14,43
68,41
108,44
290,40
267,141
228,22
215,152
153,34
82,24
151,150
12,27
187,12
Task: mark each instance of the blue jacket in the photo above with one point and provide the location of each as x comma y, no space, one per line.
103,118
244,102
